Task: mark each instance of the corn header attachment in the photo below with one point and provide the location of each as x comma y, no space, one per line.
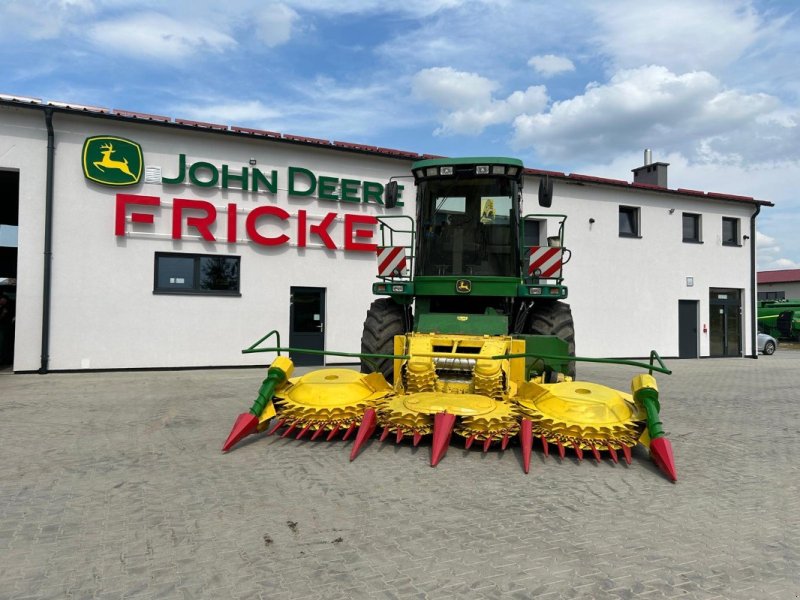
473,338
472,386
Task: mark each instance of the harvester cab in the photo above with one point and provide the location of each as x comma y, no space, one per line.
470,336
471,264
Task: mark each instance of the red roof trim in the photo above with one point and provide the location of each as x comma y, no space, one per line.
202,124
308,140
80,107
784,276
259,132
404,153
138,115
528,171
728,196
5,98
364,147
594,179
691,192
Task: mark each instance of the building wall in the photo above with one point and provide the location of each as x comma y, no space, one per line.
104,313
23,140
624,292
791,289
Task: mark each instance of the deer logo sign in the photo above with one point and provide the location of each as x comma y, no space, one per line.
112,160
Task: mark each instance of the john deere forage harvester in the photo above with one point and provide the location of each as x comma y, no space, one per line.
471,338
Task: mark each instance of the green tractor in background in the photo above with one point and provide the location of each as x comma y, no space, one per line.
780,318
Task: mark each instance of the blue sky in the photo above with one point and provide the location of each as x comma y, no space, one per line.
581,86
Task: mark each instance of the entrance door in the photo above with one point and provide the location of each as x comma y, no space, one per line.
687,328
307,324
725,322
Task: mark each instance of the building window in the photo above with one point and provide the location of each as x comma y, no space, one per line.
691,228
196,274
629,221
730,231
780,295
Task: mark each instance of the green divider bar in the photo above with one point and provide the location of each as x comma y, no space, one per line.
649,399
275,376
611,361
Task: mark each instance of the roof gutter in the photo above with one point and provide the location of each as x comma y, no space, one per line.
48,242
753,287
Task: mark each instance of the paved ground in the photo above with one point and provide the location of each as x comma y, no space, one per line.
112,486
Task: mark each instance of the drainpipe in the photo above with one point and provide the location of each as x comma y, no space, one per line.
48,240
753,288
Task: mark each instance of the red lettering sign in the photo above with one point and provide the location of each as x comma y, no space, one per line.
357,235
122,203
350,233
253,233
202,224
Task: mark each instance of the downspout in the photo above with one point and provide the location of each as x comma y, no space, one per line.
48,241
753,288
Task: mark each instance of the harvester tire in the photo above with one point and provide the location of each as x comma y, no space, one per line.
554,318
385,319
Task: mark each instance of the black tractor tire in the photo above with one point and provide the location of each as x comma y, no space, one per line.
385,319
554,318
769,348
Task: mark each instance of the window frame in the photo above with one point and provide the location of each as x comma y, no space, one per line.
737,231
195,290
637,220
771,295
698,220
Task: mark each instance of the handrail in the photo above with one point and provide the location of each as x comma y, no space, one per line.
361,355
274,332
384,227
610,361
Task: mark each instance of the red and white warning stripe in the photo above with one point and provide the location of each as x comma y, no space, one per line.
392,261
547,260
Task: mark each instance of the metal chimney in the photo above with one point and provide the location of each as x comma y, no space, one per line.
651,173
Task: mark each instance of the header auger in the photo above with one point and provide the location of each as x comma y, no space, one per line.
478,342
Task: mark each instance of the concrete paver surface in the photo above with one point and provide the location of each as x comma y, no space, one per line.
113,486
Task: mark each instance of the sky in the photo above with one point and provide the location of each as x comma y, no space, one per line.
579,86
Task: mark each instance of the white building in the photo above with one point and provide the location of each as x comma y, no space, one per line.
115,276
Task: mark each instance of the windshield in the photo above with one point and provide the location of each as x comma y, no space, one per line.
467,227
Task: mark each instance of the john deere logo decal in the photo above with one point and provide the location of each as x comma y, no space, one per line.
112,160
463,286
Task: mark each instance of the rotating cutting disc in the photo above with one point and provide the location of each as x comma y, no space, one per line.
582,414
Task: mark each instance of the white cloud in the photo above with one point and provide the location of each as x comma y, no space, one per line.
274,24
682,35
451,89
413,8
765,243
691,113
39,20
230,112
157,36
468,102
548,65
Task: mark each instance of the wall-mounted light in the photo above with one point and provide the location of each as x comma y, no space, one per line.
671,210
746,237
690,281
591,222
252,161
